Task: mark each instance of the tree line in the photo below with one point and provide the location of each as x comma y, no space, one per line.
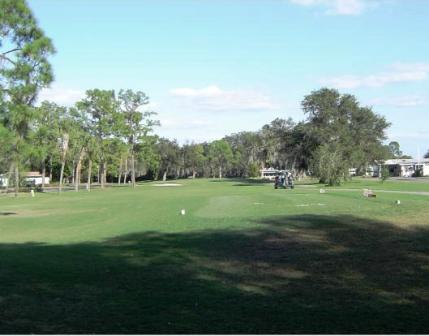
336,135
109,136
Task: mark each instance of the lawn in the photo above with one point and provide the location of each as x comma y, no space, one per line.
244,259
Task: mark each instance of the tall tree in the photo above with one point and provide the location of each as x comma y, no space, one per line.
194,157
6,145
46,134
137,123
302,147
277,143
247,148
221,154
167,152
64,146
351,135
24,70
101,114
394,149
79,140
65,128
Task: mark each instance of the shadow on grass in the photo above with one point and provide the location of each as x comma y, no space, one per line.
7,213
246,184
243,182
249,182
298,274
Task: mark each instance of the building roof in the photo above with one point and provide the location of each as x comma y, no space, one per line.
33,174
405,161
269,169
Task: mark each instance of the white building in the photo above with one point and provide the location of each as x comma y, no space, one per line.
4,181
35,178
406,167
271,173
371,171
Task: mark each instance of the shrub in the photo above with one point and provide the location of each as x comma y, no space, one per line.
253,170
384,174
329,165
418,173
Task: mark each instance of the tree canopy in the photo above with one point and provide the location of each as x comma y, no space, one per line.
24,71
343,134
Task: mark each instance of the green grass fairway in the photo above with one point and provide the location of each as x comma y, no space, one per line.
244,259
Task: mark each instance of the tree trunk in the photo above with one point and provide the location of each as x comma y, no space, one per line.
63,159
133,170
102,175
120,173
43,174
126,171
88,181
78,169
220,172
16,179
77,178
9,175
164,176
73,172
50,169
60,187
194,173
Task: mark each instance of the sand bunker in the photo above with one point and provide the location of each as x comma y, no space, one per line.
167,185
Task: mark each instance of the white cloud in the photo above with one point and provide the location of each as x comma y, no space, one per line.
401,101
212,98
397,73
61,96
338,7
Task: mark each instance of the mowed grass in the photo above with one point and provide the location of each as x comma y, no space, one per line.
244,259
407,185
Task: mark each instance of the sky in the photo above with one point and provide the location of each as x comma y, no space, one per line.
216,67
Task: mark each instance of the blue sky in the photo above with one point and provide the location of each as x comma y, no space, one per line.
214,67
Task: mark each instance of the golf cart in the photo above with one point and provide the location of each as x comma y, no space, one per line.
284,180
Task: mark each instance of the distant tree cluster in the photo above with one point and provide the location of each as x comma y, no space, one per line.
337,134
103,134
394,151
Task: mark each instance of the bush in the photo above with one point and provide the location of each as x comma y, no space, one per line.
384,174
253,170
418,173
329,165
